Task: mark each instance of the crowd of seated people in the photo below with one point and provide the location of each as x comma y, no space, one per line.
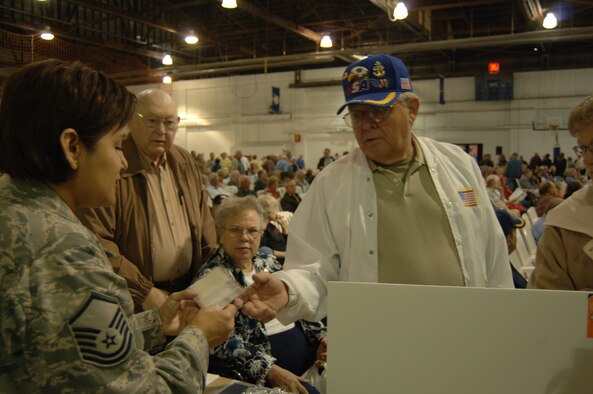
270,174
281,181
541,181
278,174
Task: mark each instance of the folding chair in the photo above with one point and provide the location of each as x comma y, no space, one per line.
532,214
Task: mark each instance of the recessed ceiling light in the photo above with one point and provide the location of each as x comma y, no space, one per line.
46,34
191,39
326,42
229,3
550,21
167,60
400,11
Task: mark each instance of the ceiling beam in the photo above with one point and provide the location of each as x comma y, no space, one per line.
278,20
535,37
95,5
139,18
532,9
87,40
459,4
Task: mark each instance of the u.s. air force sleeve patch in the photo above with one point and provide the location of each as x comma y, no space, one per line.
101,331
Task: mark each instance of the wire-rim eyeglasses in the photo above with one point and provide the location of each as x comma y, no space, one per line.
154,122
375,114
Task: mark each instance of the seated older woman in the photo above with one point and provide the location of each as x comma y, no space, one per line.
272,188
272,354
66,319
275,236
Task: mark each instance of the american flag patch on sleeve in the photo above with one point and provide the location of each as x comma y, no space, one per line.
468,197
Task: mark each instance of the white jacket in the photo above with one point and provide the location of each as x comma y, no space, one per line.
333,234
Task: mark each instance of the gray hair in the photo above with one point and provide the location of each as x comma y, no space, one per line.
406,97
581,116
269,204
234,205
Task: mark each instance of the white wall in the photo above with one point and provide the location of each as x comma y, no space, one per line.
225,114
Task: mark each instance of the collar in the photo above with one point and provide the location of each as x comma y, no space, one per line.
417,160
149,164
138,162
574,214
261,261
37,192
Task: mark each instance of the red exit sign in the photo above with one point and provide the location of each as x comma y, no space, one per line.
493,68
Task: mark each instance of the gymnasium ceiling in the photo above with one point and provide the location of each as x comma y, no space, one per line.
127,38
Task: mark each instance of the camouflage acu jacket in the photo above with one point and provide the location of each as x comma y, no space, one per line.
66,320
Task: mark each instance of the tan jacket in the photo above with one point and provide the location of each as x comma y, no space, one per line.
124,229
564,259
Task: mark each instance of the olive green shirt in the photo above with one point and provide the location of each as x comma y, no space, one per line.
415,241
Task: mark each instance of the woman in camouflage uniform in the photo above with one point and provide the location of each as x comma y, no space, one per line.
66,319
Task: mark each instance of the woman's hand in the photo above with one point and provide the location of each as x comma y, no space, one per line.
321,354
177,311
283,222
286,380
280,254
216,324
154,299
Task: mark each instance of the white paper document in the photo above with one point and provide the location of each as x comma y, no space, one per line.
210,377
216,288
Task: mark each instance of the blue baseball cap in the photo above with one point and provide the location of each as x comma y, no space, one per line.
507,222
376,80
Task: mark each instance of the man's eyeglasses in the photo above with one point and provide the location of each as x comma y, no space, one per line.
581,149
153,123
237,232
375,114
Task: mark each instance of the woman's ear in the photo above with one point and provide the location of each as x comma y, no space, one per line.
71,147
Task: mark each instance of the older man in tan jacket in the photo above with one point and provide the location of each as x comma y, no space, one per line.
160,230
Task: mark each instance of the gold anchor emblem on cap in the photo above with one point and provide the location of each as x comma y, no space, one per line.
378,69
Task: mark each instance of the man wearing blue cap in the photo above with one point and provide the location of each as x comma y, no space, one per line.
398,209
509,227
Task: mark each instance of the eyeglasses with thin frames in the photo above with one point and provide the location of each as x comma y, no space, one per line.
153,123
237,232
375,114
581,149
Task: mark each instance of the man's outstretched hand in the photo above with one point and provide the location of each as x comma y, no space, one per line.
265,297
